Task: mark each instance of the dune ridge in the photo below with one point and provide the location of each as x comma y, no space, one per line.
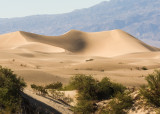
16,40
46,59
105,43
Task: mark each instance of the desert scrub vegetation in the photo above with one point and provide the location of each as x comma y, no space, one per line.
151,91
144,68
53,90
42,90
10,91
141,68
119,104
57,85
39,89
107,97
91,91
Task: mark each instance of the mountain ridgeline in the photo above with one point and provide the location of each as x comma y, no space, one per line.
137,17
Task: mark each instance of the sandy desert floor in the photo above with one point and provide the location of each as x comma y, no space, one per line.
42,63
44,68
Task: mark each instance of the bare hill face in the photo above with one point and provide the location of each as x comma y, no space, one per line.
105,44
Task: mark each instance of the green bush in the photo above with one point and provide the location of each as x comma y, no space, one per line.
57,85
68,87
152,90
39,89
85,107
119,104
118,88
42,89
34,87
107,89
86,86
91,90
10,90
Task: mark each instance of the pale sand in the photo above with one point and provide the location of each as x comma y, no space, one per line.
46,59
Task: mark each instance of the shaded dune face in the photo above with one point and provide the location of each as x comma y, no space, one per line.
105,44
73,41
77,45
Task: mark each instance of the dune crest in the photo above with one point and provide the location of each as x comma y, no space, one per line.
11,40
16,40
105,44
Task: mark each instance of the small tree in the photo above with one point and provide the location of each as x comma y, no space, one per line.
152,90
10,90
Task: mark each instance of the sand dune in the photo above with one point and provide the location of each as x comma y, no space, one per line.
11,40
41,59
105,44
114,54
16,40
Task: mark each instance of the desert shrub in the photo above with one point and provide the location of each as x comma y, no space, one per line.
33,86
86,85
102,70
84,107
55,90
57,85
10,91
151,91
106,89
119,104
91,90
144,68
118,88
40,89
68,87
57,94
89,60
